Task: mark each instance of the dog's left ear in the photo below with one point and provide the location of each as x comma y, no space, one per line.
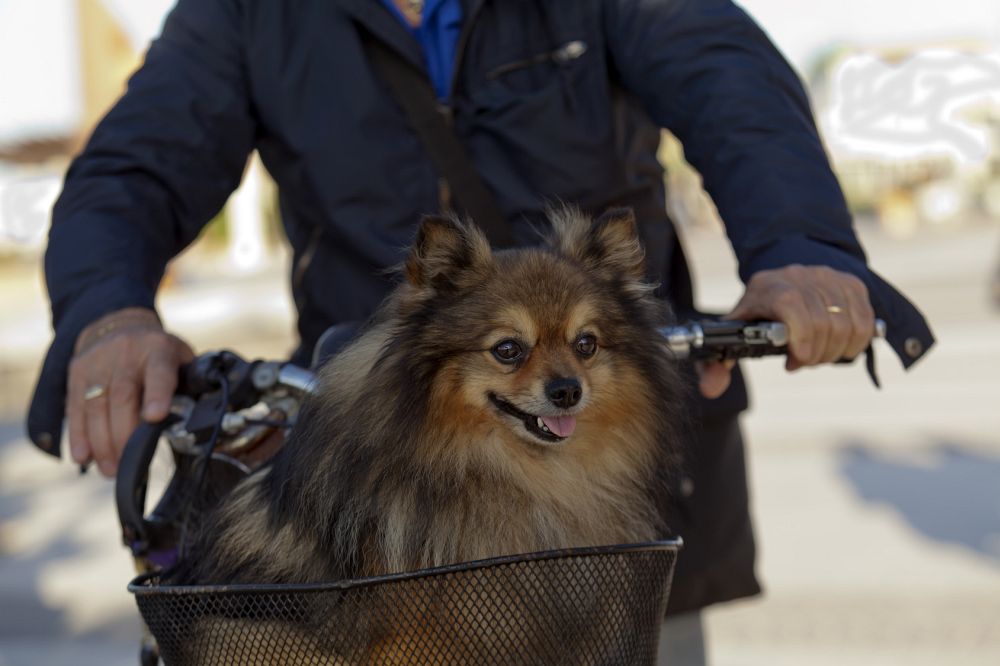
447,255
608,246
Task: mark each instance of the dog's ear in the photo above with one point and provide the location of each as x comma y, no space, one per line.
608,246
447,254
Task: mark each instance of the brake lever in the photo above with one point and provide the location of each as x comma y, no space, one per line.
725,340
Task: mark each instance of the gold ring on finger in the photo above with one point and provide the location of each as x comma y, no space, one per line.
834,309
95,391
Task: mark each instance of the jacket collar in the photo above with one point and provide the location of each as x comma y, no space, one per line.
377,19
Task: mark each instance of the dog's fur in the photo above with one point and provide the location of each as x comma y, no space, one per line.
403,459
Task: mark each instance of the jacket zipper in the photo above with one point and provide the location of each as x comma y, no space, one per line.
560,56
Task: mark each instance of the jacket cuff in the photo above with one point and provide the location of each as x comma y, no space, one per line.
907,331
48,405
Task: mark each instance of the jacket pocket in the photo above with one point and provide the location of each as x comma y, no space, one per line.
560,57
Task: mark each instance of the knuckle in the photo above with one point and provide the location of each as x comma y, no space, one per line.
855,284
156,336
113,343
865,320
787,298
122,392
75,423
160,368
795,271
842,322
758,280
123,341
841,327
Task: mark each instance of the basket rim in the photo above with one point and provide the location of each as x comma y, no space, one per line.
143,585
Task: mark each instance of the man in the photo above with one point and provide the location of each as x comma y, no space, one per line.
553,100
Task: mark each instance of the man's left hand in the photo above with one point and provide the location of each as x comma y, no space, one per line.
827,312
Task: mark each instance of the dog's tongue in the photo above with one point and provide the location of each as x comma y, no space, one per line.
562,426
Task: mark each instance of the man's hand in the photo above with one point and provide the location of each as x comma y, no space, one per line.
714,377
827,312
122,360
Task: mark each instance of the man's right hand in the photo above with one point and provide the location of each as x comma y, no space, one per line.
122,361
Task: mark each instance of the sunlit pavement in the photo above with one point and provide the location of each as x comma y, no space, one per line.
878,512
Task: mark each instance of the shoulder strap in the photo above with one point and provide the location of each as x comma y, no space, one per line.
413,92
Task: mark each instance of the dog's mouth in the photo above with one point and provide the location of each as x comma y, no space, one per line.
551,429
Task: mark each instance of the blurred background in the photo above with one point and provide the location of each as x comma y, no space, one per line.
878,512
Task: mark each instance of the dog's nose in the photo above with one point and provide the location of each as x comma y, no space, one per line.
564,392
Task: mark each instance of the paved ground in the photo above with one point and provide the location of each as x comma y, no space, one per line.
878,512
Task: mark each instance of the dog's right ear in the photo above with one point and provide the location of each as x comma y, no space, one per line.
609,245
447,254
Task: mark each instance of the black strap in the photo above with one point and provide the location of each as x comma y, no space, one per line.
412,90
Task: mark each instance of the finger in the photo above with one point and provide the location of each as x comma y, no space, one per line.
123,404
714,378
184,352
159,383
790,308
839,323
99,431
862,317
820,326
79,447
841,331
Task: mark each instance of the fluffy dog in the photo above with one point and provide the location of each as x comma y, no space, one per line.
499,403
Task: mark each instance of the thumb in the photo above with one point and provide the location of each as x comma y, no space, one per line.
714,377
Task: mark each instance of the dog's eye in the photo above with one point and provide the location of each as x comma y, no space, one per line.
586,345
508,351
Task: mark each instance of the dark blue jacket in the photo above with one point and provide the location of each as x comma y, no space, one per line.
289,78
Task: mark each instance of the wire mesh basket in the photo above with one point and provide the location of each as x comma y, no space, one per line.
596,606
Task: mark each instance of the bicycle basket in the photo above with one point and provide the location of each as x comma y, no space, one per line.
595,606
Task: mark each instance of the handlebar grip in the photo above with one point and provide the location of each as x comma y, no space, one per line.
132,480
724,340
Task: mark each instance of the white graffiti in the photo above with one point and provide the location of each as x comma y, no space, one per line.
25,207
915,108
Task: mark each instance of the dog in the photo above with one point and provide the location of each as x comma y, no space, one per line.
500,402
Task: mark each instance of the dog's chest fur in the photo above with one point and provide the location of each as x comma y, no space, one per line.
485,511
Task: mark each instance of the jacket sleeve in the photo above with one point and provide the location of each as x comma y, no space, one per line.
704,70
157,168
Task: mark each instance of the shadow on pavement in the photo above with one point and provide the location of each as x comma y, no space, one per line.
951,494
26,618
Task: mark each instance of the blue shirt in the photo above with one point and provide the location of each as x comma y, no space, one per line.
440,26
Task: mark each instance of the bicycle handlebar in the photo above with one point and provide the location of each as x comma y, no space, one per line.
723,340
221,392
